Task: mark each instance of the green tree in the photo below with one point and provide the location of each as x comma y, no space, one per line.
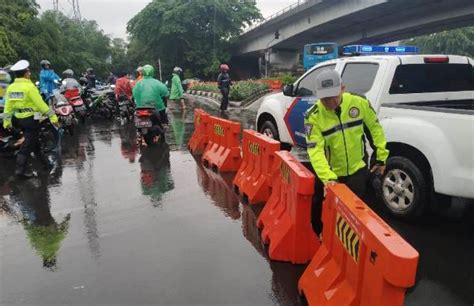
458,42
194,34
65,42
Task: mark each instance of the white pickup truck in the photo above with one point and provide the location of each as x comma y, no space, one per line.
425,104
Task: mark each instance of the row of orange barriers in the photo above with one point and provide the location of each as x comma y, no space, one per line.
354,262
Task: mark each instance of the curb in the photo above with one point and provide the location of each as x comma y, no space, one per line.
217,97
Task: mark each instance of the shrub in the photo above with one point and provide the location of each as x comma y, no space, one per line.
245,89
239,91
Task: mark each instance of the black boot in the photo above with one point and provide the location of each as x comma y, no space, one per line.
43,158
21,167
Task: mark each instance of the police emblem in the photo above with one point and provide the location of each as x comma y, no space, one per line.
354,112
308,128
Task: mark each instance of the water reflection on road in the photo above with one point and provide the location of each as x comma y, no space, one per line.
118,226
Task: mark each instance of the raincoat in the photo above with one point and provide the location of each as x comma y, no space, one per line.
47,78
150,92
176,88
123,87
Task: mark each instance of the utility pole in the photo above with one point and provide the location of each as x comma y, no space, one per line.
55,5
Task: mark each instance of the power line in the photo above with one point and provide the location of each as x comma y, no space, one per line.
76,10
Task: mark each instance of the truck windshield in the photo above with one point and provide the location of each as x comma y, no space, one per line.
423,78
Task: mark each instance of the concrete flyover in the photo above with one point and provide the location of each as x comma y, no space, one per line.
352,21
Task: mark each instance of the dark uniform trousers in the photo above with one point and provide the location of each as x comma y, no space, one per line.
356,182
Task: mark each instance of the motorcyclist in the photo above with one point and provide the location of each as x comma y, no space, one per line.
150,92
176,87
47,79
138,76
123,86
25,107
224,82
69,82
111,79
90,76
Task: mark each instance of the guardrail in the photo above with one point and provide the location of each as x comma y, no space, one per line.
273,16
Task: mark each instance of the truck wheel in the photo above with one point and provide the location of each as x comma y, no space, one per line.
269,129
404,188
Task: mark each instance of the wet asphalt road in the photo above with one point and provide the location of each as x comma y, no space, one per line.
115,226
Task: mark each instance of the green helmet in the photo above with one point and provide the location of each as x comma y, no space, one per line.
148,70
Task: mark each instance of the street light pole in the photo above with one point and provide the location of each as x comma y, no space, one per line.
268,52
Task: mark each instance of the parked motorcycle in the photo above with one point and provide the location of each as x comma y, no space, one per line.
96,104
10,140
65,113
149,128
75,100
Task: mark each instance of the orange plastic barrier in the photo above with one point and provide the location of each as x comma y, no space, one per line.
223,150
286,217
362,261
274,85
198,141
253,180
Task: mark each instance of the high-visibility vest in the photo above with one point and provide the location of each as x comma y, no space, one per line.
335,139
23,100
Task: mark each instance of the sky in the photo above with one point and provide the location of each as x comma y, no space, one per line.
113,15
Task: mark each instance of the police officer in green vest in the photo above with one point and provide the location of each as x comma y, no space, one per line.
24,106
336,127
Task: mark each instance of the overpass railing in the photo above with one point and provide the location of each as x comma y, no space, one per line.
275,15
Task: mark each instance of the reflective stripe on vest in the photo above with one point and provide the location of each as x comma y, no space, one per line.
25,110
341,127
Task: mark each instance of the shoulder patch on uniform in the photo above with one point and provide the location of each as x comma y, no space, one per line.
354,112
312,110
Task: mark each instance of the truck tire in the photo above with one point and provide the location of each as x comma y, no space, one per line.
269,129
404,189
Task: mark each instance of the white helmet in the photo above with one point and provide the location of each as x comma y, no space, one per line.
177,70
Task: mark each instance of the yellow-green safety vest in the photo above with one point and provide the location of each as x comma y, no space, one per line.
335,139
23,100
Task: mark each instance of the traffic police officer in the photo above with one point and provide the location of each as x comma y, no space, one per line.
25,106
335,128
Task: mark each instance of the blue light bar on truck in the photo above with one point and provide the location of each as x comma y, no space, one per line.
370,50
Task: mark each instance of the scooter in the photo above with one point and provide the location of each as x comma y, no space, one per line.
126,109
75,100
65,113
148,131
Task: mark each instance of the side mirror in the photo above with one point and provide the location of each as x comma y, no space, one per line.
288,90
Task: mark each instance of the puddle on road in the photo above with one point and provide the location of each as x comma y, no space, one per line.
113,225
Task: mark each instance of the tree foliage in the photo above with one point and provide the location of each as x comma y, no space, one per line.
65,42
193,34
458,42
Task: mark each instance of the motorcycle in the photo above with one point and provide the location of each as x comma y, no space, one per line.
10,140
126,109
65,113
149,129
75,100
96,104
